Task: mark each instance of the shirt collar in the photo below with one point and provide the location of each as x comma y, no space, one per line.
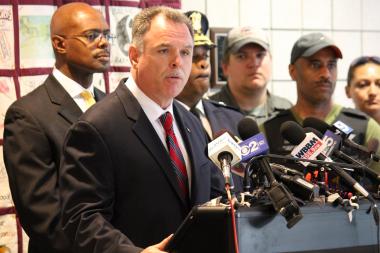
198,106
152,110
73,88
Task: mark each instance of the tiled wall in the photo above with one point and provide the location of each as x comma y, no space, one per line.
353,24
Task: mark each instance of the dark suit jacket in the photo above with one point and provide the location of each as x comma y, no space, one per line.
117,183
35,126
221,117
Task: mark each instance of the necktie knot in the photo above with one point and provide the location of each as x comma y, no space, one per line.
88,98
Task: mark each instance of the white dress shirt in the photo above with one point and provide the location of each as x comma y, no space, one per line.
73,88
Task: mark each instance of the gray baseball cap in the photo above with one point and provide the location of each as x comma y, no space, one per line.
311,43
241,36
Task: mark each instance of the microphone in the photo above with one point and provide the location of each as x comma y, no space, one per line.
283,202
224,152
308,145
296,183
344,131
331,150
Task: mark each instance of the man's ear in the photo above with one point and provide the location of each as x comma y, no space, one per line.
58,44
292,71
133,55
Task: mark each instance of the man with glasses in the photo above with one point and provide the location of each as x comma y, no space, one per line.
313,66
363,85
247,64
35,125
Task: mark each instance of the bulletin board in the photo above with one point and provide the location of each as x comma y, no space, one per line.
26,59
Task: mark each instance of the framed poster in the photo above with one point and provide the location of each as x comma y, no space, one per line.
216,55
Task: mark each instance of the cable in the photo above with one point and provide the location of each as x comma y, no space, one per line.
231,200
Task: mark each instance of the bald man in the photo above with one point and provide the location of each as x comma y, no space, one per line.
35,125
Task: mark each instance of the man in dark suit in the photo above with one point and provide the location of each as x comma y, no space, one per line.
214,116
35,125
127,179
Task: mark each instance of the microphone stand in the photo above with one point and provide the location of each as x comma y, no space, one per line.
282,201
336,167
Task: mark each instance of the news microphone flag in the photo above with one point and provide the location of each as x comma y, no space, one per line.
332,141
343,127
309,148
224,143
254,146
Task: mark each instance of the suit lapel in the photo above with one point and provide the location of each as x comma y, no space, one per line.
68,109
148,136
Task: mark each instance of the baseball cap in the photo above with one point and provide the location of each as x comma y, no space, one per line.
199,23
241,36
311,43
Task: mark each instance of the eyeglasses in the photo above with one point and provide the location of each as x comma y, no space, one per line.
92,36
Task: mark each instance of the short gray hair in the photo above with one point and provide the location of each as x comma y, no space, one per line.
143,20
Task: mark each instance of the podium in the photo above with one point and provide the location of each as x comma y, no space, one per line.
323,229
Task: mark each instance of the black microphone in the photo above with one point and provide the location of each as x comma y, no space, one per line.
322,126
282,201
296,183
309,144
346,158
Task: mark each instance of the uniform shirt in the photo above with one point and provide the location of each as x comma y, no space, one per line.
270,108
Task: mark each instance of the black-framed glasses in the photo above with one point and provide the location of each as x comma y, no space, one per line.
361,61
92,36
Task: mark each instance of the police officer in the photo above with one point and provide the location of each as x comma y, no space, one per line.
313,66
247,64
213,115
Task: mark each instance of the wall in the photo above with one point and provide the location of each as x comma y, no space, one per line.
353,24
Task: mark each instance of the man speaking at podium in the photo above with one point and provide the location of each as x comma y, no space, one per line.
134,165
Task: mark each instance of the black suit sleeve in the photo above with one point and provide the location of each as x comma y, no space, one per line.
88,194
31,168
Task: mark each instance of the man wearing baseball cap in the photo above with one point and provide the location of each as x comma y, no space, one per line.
213,116
247,64
313,66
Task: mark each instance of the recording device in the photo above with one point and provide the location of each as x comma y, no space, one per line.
224,152
309,144
283,202
341,129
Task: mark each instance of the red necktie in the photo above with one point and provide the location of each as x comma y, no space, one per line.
176,156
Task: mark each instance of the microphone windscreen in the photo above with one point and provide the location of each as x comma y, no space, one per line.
315,123
292,132
313,130
247,127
